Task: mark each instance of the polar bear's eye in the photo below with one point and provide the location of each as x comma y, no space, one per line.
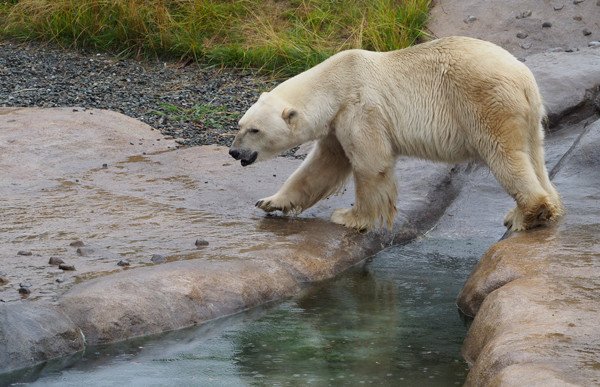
254,131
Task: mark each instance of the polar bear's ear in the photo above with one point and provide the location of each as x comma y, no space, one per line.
289,115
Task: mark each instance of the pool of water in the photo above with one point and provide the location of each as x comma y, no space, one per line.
391,320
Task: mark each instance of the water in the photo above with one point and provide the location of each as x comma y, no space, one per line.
389,321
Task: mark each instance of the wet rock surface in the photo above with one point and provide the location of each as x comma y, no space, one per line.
154,200
30,334
535,293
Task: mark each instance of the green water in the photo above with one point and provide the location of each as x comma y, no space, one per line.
389,321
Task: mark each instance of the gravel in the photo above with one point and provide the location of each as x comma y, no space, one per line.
42,75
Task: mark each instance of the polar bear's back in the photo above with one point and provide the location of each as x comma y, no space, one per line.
449,93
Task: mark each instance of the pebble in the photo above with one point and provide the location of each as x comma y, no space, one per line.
3,281
122,263
85,251
65,267
25,285
55,261
201,242
470,19
578,1
76,244
157,258
60,279
558,7
524,14
24,252
586,32
526,45
594,44
24,291
522,35
136,89
547,24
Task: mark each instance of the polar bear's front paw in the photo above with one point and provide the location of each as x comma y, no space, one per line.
347,217
274,203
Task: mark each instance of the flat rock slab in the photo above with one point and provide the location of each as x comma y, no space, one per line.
105,193
535,295
523,27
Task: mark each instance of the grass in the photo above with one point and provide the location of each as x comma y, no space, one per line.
207,115
283,37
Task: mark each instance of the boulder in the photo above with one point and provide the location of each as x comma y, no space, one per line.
31,333
534,295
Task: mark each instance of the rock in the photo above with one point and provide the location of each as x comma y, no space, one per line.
3,280
578,1
32,333
122,263
157,258
76,244
24,252
594,44
586,32
524,14
534,295
522,35
85,251
500,28
546,24
65,267
60,279
24,291
25,285
564,80
201,242
55,261
469,19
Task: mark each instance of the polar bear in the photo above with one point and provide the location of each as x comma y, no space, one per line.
451,99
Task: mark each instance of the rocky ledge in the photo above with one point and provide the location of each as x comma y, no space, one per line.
534,295
118,203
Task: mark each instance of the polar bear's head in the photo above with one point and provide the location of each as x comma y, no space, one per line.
266,130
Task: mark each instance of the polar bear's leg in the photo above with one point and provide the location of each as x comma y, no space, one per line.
516,174
510,160
323,173
538,161
375,201
372,158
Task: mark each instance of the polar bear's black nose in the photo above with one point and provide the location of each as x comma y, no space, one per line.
234,153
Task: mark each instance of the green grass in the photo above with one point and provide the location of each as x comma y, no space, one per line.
284,37
207,115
